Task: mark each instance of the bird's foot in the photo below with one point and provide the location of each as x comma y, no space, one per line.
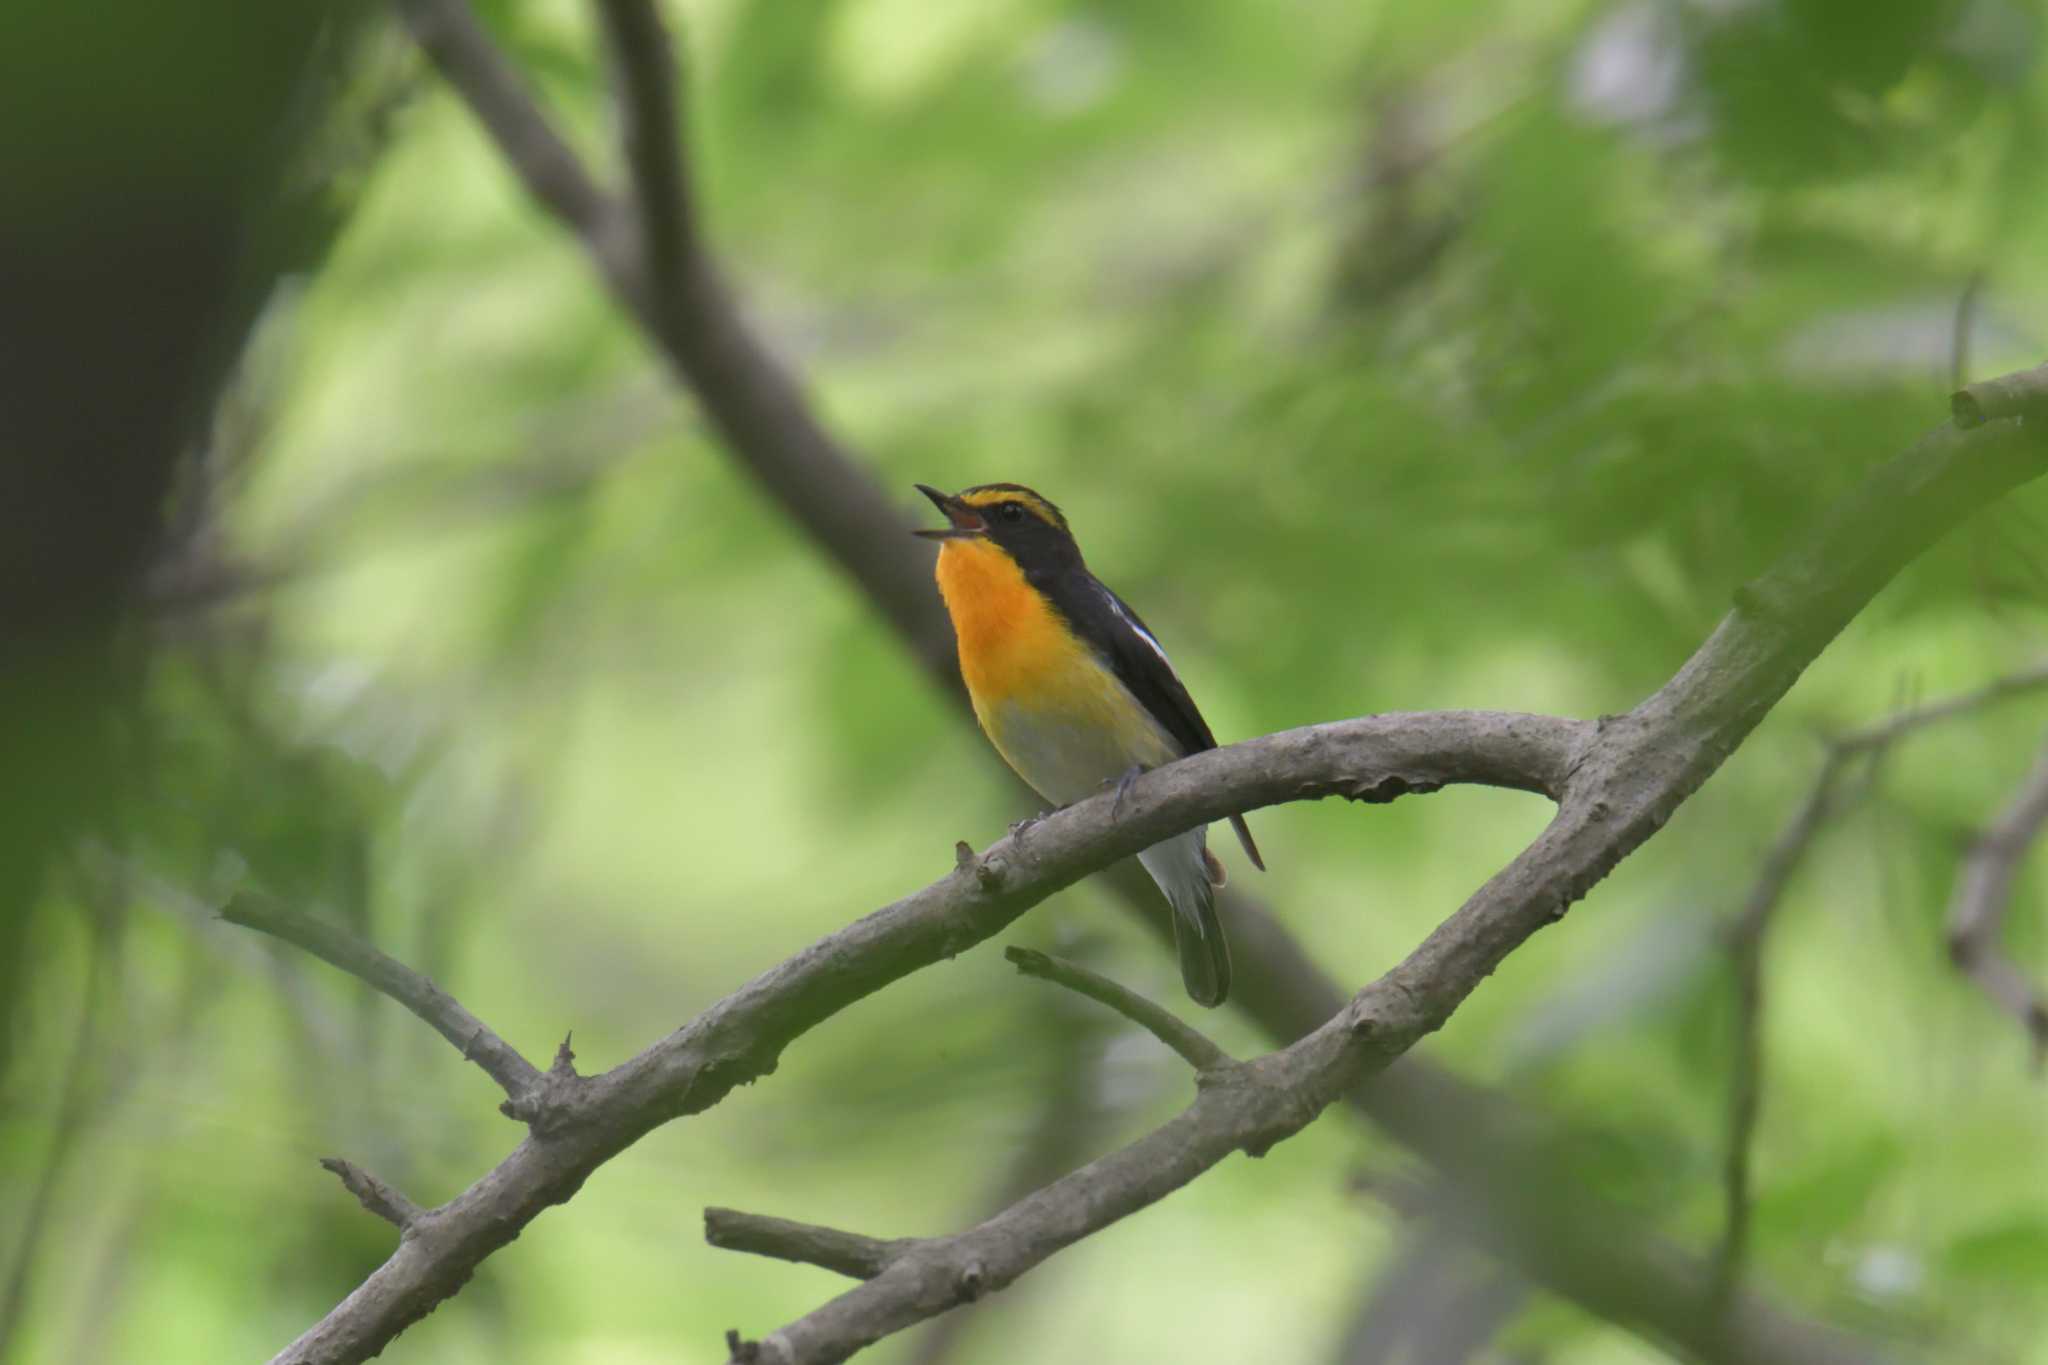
1020,826
1123,789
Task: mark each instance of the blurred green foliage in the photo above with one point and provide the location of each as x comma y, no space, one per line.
1387,356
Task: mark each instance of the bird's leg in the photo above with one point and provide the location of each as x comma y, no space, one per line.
1123,789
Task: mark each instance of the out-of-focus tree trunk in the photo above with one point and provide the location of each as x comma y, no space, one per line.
146,152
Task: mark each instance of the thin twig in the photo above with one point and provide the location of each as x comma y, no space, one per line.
1746,940
848,1253
1895,727
376,1196
1965,323
1786,853
1160,1022
337,947
1984,895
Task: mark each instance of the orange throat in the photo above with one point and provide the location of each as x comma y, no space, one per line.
1010,637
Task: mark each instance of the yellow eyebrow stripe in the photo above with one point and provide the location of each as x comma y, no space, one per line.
1031,502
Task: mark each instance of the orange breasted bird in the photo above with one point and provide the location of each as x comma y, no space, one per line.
1074,691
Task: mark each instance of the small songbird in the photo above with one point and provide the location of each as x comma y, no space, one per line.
1073,690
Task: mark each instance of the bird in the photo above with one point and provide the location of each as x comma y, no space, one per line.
1075,691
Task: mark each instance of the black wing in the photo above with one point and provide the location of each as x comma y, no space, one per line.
1134,654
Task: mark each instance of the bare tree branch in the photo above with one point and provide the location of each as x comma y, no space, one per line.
1160,1022
1984,894
1896,727
2023,393
642,54
332,944
1746,939
746,392
376,1196
578,1123
848,1253
451,36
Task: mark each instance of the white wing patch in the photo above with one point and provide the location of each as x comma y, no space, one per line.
1143,634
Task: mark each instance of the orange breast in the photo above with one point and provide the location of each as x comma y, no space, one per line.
1011,641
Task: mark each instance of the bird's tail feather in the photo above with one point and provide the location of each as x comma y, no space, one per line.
1181,866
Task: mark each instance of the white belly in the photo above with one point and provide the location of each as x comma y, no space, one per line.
1068,756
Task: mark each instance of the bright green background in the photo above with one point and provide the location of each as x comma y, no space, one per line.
1493,411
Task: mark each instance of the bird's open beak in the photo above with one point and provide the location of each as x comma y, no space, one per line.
967,523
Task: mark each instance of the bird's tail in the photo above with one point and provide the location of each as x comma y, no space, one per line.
1182,867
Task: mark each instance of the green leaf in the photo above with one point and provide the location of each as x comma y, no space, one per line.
1830,1195
2011,1252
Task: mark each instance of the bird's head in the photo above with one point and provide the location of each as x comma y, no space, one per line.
1009,517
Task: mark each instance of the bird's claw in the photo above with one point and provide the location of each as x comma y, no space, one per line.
1123,789
1019,826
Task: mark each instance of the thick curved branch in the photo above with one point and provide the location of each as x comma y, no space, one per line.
1984,894
578,1123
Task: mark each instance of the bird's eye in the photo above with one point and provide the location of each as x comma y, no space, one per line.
1011,512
